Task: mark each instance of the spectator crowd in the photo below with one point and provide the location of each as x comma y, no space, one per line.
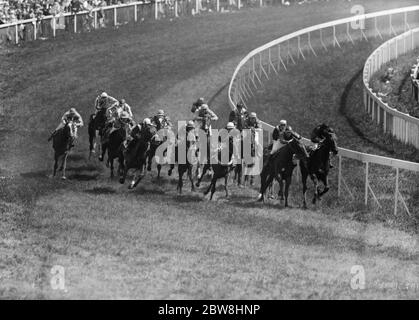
15,10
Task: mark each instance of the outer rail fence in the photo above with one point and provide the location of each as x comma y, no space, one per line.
115,15
276,56
401,125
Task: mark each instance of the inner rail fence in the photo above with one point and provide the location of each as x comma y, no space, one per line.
401,125
361,177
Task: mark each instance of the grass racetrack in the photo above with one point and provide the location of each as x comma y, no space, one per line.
150,242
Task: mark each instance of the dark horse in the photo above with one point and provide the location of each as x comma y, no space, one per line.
62,142
134,157
220,170
184,167
114,145
318,164
96,124
280,166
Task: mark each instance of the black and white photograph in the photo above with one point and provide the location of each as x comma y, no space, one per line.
233,151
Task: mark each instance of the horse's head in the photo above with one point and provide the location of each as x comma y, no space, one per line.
330,141
298,149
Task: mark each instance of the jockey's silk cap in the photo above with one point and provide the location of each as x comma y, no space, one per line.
160,112
205,106
252,115
73,110
147,121
230,125
240,105
104,95
122,101
200,101
190,124
283,122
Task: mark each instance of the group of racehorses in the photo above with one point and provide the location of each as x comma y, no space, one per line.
278,166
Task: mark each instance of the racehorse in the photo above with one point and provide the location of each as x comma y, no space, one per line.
156,141
317,166
96,124
280,166
134,157
219,170
184,167
238,171
114,145
62,143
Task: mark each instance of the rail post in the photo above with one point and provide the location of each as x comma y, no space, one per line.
339,174
53,26
366,182
95,21
75,23
396,192
16,35
260,3
156,13
115,22
176,9
218,5
35,31
135,13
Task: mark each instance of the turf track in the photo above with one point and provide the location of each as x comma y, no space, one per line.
151,243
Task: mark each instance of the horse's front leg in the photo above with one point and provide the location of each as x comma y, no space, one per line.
287,186
158,171
204,170
190,175
64,165
316,188
110,161
226,183
281,187
324,179
102,152
180,180
56,158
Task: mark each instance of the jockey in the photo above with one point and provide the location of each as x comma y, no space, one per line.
148,129
104,101
70,115
238,116
252,121
145,130
125,107
197,104
281,135
161,121
204,118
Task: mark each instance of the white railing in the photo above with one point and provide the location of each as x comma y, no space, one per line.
50,26
401,125
275,56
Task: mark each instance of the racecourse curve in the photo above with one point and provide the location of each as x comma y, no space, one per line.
152,243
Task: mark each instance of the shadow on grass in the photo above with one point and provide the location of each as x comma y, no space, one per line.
188,197
36,174
83,177
101,190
